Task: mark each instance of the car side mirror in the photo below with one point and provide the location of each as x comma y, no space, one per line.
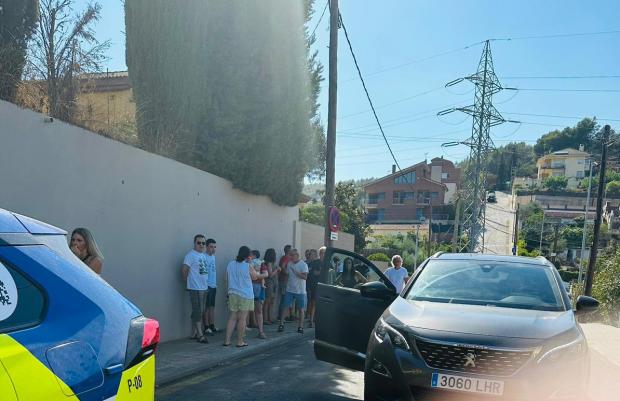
377,290
586,304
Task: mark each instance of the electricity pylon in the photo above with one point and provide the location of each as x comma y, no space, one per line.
485,116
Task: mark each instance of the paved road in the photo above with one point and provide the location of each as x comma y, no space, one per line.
292,373
286,374
499,226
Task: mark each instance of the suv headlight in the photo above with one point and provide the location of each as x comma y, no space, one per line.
566,352
398,340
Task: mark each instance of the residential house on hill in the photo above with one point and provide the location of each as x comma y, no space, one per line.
408,196
570,163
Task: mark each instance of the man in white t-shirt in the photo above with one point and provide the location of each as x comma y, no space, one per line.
297,271
196,278
397,274
209,315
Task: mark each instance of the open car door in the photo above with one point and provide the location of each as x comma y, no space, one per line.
347,309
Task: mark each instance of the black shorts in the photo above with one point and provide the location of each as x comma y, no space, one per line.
210,298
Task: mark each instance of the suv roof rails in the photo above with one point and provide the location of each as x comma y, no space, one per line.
438,254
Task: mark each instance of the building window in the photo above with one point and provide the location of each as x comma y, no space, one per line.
373,199
581,174
375,216
419,213
408,178
434,196
399,197
445,176
423,197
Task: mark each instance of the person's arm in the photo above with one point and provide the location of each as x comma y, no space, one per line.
185,271
360,277
96,265
255,276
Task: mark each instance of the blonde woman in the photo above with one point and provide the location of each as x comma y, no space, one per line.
83,245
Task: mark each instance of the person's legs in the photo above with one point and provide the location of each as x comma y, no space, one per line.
241,328
301,302
284,305
211,295
230,326
197,300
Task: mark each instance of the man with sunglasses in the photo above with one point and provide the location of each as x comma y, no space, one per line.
196,277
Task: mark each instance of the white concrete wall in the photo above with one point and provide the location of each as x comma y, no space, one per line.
310,236
143,209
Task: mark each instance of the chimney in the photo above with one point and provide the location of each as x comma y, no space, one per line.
393,168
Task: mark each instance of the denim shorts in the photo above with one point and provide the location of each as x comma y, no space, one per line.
259,292
301,300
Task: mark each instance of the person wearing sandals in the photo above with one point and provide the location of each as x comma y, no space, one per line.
196,278
271,285
297,271
239,276
258,287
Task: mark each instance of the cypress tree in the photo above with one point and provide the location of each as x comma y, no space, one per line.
226,86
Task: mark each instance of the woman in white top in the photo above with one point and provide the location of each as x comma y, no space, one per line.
239,276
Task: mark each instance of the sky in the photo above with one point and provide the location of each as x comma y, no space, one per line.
408,50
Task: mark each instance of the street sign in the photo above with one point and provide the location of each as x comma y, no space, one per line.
334,219
333,236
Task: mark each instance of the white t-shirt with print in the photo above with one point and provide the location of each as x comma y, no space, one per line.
295,284
197,279
397,277
211,271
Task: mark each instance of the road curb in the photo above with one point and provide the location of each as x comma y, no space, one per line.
254,349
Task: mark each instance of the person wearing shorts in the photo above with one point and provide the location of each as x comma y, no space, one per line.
271,284
239,276
314,274
297,271
195,273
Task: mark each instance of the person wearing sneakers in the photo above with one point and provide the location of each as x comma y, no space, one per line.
209,318
195,274
297,271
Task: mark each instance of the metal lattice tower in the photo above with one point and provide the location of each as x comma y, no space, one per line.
485,116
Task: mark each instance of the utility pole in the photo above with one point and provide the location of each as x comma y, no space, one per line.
457,217
430,224
330,175
599,213
515,239
585,226
485,116
556,228
542,230
417,248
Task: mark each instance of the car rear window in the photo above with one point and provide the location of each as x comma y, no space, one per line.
502,284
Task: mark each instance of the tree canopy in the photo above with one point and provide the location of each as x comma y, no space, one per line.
570,137
18,20
229,87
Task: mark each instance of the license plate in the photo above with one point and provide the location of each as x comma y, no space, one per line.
467,384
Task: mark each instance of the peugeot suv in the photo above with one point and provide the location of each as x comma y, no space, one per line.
465,326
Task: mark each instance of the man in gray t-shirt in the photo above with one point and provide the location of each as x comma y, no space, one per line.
297,271
196,278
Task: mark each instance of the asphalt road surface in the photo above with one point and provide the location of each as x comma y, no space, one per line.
499,226
286,374
291,373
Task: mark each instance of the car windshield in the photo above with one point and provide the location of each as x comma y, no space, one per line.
502,284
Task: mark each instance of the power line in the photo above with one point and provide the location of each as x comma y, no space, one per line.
565,77
569,90
359,73
557,35
392,103
320,19
558,116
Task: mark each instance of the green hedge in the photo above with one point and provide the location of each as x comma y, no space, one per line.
568,275
379,257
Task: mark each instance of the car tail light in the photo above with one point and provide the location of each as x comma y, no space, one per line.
142,340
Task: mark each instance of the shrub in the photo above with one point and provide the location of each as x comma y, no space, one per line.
379,257
568,276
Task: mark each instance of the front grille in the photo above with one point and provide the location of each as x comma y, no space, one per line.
461,358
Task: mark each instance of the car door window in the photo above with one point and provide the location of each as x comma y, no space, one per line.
348,270
22,303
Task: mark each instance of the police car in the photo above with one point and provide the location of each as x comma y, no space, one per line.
65,334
